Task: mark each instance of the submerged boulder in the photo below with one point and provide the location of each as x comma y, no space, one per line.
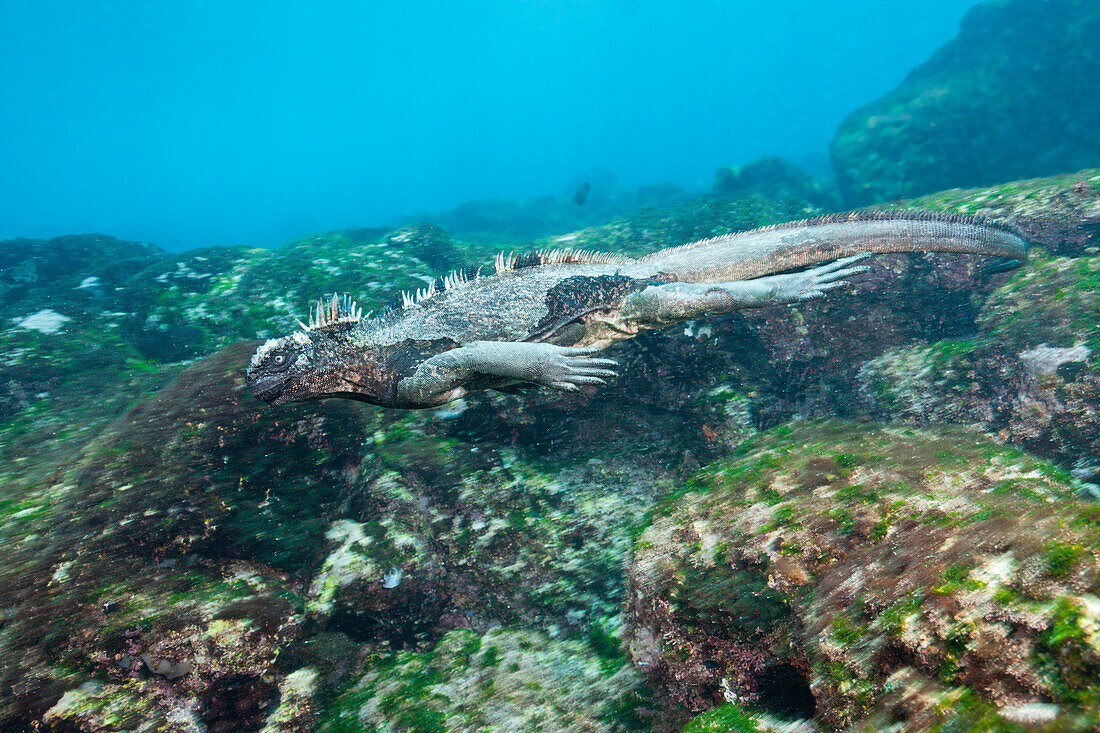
868,576
1015,94
505,679
184,570
159,565
192,559
771,177
1061,213
1031,372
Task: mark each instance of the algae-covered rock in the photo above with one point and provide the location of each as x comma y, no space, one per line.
506,679
873,576
1031,371
203,467
153,557
89,325
771,177
1015,94
468,534
428,243
202,534
189,558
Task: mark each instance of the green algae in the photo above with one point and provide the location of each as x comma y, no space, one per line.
728,718
533,507
1052,301
1020,193
538,682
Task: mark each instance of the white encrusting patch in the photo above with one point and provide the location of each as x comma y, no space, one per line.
88,282
46,321
692,329
392,579
1030,713
263,351
1045,359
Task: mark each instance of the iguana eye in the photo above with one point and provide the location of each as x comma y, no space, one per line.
280,361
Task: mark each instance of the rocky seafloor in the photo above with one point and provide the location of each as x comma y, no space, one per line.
876,511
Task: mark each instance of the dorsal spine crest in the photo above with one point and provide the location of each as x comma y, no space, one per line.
505,262
851,216
332,311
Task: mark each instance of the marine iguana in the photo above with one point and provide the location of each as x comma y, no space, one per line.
539,318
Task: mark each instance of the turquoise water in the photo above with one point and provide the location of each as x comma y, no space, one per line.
254,122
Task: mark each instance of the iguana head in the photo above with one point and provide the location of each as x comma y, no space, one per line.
318,361
287,369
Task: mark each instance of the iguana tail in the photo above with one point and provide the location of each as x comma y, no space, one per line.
746,255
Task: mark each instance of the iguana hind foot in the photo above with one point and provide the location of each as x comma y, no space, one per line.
659,305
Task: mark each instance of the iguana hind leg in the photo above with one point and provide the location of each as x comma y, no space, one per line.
442,377
660,305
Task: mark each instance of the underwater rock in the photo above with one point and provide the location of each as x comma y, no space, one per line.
56,269
350,593
163,540
501,219
482,536
771,177
873,577
186,558
505,679
1031,372
429,243
202,467
660,194
1015,94
56,335
183,649
297,711
163,553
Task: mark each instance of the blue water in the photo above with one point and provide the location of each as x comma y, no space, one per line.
212,123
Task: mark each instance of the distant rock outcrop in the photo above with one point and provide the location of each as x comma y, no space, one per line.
772,177
1015,94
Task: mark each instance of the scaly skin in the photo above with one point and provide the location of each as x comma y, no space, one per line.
540,319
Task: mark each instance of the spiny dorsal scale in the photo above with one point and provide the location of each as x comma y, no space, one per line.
338,309
505,262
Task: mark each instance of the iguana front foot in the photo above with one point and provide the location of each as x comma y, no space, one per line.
442,377
569,367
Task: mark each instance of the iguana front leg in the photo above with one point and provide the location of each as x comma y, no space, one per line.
660,305
442,378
